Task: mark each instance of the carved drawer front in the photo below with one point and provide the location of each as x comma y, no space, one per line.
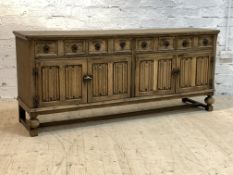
154,75
166,43
46,48
122,45
184,42
73,47
145,44
98,46
205,41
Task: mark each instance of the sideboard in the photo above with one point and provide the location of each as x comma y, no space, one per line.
60,71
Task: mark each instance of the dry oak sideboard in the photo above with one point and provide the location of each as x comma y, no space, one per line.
61,71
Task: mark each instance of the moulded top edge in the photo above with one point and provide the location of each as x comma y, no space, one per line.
90,33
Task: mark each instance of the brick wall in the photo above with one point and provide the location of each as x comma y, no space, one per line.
114,14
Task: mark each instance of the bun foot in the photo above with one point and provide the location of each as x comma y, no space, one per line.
209,108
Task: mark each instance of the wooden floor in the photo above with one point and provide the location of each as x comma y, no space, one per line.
182,142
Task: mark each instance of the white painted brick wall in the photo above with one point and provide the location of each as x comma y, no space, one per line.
112,14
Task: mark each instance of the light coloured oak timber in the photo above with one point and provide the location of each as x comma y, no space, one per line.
61,71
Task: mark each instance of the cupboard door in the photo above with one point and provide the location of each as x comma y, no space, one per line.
60,82
75,90
154,74
195,72
110,78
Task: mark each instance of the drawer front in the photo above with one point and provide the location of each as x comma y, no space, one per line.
122,45
166,43
98,46
145,44
184,42
74,47
46,48
205,41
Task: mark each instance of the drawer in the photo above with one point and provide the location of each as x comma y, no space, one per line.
98,46
145,44
185,42
166,43
73,47
46,48
122,45
205,41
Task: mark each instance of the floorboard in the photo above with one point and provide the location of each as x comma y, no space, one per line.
182,142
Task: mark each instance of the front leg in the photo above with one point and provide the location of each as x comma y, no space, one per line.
33,125
22,113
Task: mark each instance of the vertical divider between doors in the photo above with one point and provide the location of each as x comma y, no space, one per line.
62,84
133,67
37,75
177,65
87,68
87,83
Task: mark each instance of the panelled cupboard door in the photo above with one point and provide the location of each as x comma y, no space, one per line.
195,72
61,82
110,78
154,74
74,89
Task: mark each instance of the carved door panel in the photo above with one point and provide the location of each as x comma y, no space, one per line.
49,80
75,90
195,72
60,82
110,78
154,74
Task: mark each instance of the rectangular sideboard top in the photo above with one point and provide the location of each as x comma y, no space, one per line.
88,33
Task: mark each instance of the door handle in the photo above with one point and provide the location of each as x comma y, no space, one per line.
87,77
175,71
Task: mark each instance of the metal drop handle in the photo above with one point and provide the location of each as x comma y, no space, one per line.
185,43
97,46
205,41
87,77
46,48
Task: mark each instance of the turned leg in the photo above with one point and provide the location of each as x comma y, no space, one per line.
22,113
209,100
33,125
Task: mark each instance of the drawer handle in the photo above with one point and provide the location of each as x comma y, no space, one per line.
74,48
97,46
87,77
166,43
122,44
205,41
185,43
144,44
46,48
